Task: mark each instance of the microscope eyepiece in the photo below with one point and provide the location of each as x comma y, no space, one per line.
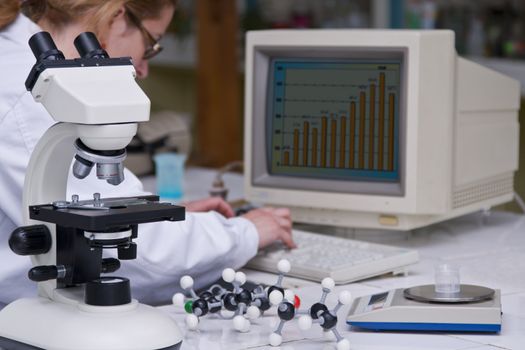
44,47
88,46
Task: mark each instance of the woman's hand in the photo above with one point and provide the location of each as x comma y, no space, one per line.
213,203
273,224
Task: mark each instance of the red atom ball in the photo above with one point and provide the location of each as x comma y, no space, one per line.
296,302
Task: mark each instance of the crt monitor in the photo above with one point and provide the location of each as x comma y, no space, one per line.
375,128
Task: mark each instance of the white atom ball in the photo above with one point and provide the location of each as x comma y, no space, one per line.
240,277
276,297
227,313
289,295
328,283
186,282
343,344
192,321
305,323
228,275
246,327
178,299
284,266
238,322
345,297
275,339
253,312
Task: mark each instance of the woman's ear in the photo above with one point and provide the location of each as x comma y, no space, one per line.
119,21
120,14
117,27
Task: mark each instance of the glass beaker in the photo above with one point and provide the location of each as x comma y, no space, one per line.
447,279
169,170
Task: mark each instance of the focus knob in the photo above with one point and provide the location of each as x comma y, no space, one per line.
128,253
30,240
46,272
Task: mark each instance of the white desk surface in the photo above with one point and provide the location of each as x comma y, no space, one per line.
490,251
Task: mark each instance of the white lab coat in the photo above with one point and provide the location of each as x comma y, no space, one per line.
202,245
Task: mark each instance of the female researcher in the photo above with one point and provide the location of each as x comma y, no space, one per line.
209,240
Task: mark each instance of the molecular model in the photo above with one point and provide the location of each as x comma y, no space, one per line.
247,305
317,313
244,304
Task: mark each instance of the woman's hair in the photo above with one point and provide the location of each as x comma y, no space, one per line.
8,11
62,12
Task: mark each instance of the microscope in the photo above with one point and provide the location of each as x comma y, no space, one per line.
97,105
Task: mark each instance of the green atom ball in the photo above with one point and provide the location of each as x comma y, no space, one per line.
189,307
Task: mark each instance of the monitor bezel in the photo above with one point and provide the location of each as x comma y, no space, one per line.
262,70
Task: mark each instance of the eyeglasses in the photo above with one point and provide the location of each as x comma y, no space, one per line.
153,47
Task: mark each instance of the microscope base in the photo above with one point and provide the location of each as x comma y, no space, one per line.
39,323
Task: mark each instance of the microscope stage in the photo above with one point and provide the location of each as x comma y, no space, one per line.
99,220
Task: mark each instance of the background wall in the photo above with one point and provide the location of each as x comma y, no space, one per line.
171,87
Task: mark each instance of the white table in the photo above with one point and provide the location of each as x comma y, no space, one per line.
489,249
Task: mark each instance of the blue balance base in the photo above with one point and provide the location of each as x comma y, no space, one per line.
433,327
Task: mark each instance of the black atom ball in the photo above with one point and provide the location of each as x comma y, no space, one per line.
286,311
314,310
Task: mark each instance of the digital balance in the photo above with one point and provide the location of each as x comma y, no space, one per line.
448,306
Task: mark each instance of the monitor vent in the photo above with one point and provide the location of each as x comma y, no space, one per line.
483,191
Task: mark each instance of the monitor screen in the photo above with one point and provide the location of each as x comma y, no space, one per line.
329,120
334,118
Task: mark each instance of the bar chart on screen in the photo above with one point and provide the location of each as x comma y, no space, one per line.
336,117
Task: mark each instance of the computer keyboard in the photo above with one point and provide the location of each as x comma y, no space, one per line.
345,260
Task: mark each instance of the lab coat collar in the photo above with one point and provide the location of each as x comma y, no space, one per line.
20,30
